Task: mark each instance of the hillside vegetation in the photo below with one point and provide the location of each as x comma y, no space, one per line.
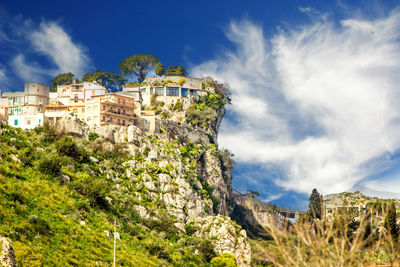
61,196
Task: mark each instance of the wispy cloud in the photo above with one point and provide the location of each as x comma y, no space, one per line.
51,40
34,51
320,102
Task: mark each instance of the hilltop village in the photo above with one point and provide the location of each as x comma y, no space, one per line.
95,105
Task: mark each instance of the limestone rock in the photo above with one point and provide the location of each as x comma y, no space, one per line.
142,211
64,178
7,256
228,237
70,124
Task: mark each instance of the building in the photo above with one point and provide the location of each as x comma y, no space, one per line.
171,88
290,214
73,96
114,108
26,109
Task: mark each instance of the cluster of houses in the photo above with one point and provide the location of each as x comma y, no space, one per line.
93,104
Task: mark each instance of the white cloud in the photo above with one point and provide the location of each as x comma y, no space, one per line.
319,101
38,52
28,71
52,41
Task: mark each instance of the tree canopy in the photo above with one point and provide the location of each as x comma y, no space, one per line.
315,204
64,78
160,70
110,80
139,64
176,71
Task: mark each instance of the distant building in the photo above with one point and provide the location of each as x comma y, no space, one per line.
26,109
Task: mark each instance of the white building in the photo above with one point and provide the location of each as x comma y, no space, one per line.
26,109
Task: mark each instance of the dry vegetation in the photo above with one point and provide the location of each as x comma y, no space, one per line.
341,241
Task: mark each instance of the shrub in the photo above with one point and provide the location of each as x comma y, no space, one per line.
50,165
93,136
225,260
49,133
67,147
206,249
181,82
191,228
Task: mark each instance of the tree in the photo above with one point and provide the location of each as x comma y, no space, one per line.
64,78
160,70
139,64
390,221
176,71
110,80
315,204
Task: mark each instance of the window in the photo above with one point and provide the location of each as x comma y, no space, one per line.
151,90
172,91
143,90
160,91
146,122
123,101
38,109
193,92
28,122
104,107
103,118
184,92
15,122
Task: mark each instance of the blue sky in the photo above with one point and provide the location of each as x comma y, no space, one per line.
314,83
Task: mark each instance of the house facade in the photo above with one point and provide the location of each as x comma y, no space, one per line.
115,108
170,89
26,109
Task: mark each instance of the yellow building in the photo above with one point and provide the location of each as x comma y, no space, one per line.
115,108
75,95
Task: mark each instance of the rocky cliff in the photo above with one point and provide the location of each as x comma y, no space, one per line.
183,168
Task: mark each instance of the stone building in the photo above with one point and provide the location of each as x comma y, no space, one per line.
26,109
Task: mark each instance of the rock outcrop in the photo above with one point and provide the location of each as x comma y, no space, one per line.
7,256
254,215
70,124
228,237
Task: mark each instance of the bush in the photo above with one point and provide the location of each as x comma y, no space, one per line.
206,249
67,147
181,82
94,188
191,228
225,260
50,165
93,136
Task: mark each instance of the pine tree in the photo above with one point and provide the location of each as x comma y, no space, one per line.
315,204
160,70
390,222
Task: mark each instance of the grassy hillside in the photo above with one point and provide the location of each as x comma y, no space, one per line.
58,203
